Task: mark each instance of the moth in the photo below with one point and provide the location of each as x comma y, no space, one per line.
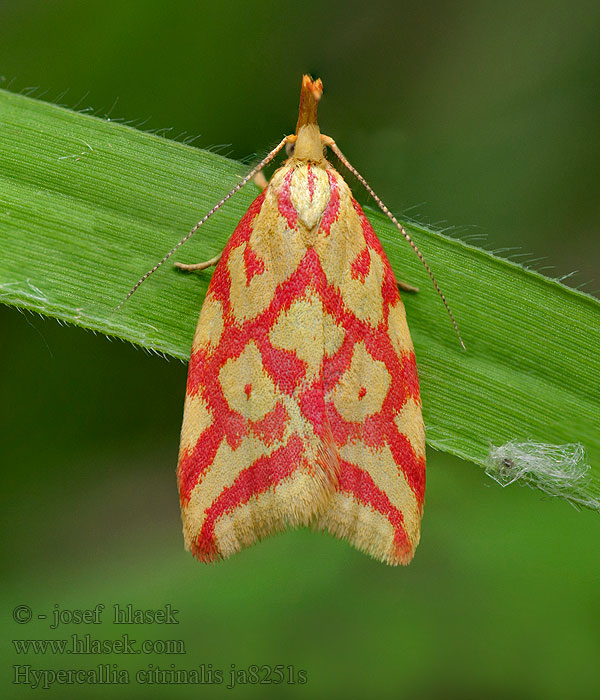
302,403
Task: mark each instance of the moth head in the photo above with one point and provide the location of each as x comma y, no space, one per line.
307,145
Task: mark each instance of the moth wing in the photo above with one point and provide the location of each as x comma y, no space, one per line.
250,461
371,395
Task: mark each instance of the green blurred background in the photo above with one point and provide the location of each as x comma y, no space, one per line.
478,116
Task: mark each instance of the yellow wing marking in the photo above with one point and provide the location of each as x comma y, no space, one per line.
247,388
362,388
210,325
363,527
389,478
334,335
307,330
196,419
398,329
409,422
293,502
280,248
339,249
222,473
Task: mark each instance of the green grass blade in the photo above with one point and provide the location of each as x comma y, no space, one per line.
87,206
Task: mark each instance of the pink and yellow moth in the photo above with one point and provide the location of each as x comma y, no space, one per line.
302,404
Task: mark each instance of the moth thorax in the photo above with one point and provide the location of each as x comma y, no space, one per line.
309,195
308,146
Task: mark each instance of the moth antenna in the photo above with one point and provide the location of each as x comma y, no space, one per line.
265,161
328,141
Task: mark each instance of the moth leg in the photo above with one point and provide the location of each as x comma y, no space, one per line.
260,180
199,266
406,287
